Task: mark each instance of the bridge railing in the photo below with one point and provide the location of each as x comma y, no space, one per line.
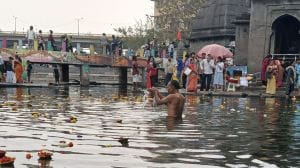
12,33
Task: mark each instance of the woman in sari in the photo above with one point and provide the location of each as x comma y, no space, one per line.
192,77
279,76
148,75
18,69
265,63
272,72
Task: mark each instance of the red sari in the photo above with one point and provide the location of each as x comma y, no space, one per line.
148,76
192,78
265,64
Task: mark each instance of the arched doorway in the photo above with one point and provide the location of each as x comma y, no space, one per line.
287,35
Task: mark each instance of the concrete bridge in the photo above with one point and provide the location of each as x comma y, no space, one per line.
85,40
64,60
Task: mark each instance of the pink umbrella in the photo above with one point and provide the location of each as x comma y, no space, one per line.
215,51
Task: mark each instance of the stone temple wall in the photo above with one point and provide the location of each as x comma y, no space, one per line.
214,24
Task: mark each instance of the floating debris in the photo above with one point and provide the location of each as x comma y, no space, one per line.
2,153
123,141
5,160
35,114
14,109
45,154
119,121
73,119
28,156
108,146
64,144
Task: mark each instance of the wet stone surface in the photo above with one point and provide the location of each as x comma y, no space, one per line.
110,127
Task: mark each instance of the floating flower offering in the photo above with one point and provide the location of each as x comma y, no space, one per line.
64,144
45,154
73,119
5,160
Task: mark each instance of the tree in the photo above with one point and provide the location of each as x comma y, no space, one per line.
137,35
176,15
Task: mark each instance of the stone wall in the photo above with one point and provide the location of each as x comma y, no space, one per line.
241,39
214,24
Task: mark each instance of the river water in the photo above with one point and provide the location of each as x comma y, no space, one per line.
214,132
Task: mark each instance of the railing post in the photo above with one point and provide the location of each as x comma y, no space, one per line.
65,73
84,75
123,76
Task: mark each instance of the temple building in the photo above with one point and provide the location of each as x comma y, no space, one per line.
215,22
255,28
274,28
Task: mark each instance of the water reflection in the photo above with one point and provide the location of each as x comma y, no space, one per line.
214,131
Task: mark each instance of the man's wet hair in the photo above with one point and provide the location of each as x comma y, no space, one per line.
175,83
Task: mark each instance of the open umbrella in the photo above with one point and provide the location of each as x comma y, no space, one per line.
215,51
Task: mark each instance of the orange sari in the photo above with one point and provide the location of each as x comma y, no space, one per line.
18,72
192,78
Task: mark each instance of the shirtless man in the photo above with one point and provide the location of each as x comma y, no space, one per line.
174,101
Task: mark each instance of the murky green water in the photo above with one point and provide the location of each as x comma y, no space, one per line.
214,132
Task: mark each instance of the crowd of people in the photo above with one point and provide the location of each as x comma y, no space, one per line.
191,71
274,72
31,37
15,70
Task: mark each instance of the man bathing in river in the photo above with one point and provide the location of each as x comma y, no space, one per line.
174,101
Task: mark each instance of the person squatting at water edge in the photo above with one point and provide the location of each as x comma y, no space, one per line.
174,101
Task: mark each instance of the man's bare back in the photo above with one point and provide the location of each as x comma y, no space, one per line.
174,101
175,105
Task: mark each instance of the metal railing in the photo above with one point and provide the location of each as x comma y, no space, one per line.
286,56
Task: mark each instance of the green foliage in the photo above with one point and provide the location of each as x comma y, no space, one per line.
177,15
136,36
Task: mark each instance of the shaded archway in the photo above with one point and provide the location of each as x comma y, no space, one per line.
287,35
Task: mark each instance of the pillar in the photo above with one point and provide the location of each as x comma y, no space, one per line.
35,44
78,48
49,46
63,46
84,75
4,42
92,49
64,73
15,45
20,43
123,76
143,82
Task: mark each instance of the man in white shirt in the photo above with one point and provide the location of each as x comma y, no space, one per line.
30,36
207,65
